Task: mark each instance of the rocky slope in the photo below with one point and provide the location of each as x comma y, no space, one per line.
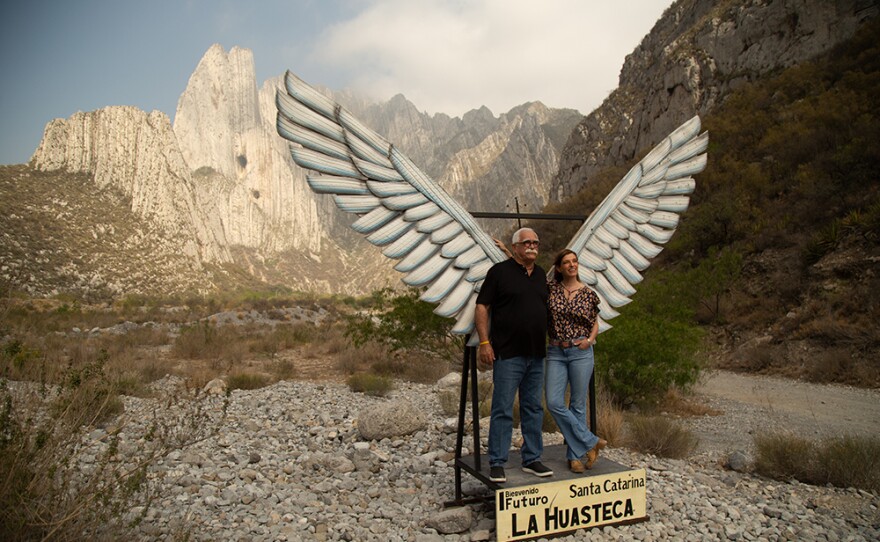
694,56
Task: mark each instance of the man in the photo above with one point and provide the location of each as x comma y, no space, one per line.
516,292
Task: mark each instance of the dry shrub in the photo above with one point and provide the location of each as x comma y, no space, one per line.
333,337
660,436
353,359
414,367
847,461
609,418
370,384
246,380
757,359
831,365
208,341
281,337
748,312
782,456
57,483
837,330
283,369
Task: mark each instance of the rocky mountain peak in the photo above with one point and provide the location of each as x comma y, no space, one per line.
218,105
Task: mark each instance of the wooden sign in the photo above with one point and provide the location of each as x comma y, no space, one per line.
539,510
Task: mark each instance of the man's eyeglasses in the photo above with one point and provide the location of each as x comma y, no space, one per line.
530,243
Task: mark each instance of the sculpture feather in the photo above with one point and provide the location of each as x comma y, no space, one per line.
437,242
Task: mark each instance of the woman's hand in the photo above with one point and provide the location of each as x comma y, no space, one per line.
503,247
586,343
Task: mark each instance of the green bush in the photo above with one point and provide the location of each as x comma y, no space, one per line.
401,321
653,345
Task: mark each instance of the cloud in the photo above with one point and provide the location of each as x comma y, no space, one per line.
454,56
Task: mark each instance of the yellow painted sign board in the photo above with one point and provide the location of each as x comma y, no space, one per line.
567,505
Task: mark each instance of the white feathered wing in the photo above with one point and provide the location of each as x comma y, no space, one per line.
629,227
437,242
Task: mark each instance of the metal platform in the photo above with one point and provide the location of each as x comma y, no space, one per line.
554,457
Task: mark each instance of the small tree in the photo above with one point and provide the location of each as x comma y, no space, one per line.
401,321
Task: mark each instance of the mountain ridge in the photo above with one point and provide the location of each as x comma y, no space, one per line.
223,174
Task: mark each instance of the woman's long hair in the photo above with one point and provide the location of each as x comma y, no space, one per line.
557,276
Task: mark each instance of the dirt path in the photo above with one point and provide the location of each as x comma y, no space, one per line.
750,405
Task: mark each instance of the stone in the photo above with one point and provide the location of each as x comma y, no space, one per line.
216,386
453,520
451,380
390,419
739,461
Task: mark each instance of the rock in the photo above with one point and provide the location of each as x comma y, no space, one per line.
451,380
695,55
738,461
454,520
390,419
215,387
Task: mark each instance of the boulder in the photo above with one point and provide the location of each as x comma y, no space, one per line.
390,419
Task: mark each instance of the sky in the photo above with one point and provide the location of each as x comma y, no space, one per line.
58,57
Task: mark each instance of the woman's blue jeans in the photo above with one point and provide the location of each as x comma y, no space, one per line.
525,374
570,366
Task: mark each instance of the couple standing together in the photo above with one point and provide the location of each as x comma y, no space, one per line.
525,308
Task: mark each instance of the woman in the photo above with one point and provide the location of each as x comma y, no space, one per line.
573,326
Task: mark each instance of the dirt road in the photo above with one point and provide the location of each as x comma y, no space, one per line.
750,405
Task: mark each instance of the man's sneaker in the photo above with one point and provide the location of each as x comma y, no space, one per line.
496,474
538,469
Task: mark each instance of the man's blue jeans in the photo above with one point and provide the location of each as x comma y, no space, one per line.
570,366
525,374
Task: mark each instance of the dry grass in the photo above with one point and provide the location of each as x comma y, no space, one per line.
247,380
609,418
847,461
370,384
659,436
352,360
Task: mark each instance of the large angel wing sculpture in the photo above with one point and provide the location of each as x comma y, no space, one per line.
439,244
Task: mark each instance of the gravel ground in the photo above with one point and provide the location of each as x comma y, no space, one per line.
287,463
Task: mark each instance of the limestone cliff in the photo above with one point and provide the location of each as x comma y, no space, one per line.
697,52
135,153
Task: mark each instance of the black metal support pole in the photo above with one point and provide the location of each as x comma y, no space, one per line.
462,404
475,404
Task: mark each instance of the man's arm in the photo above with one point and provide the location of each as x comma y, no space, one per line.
481,323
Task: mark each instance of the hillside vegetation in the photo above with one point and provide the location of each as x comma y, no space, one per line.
777,256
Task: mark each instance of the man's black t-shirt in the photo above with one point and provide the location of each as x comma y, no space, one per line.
518,309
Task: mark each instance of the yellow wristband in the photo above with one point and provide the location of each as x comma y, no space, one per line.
483,342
